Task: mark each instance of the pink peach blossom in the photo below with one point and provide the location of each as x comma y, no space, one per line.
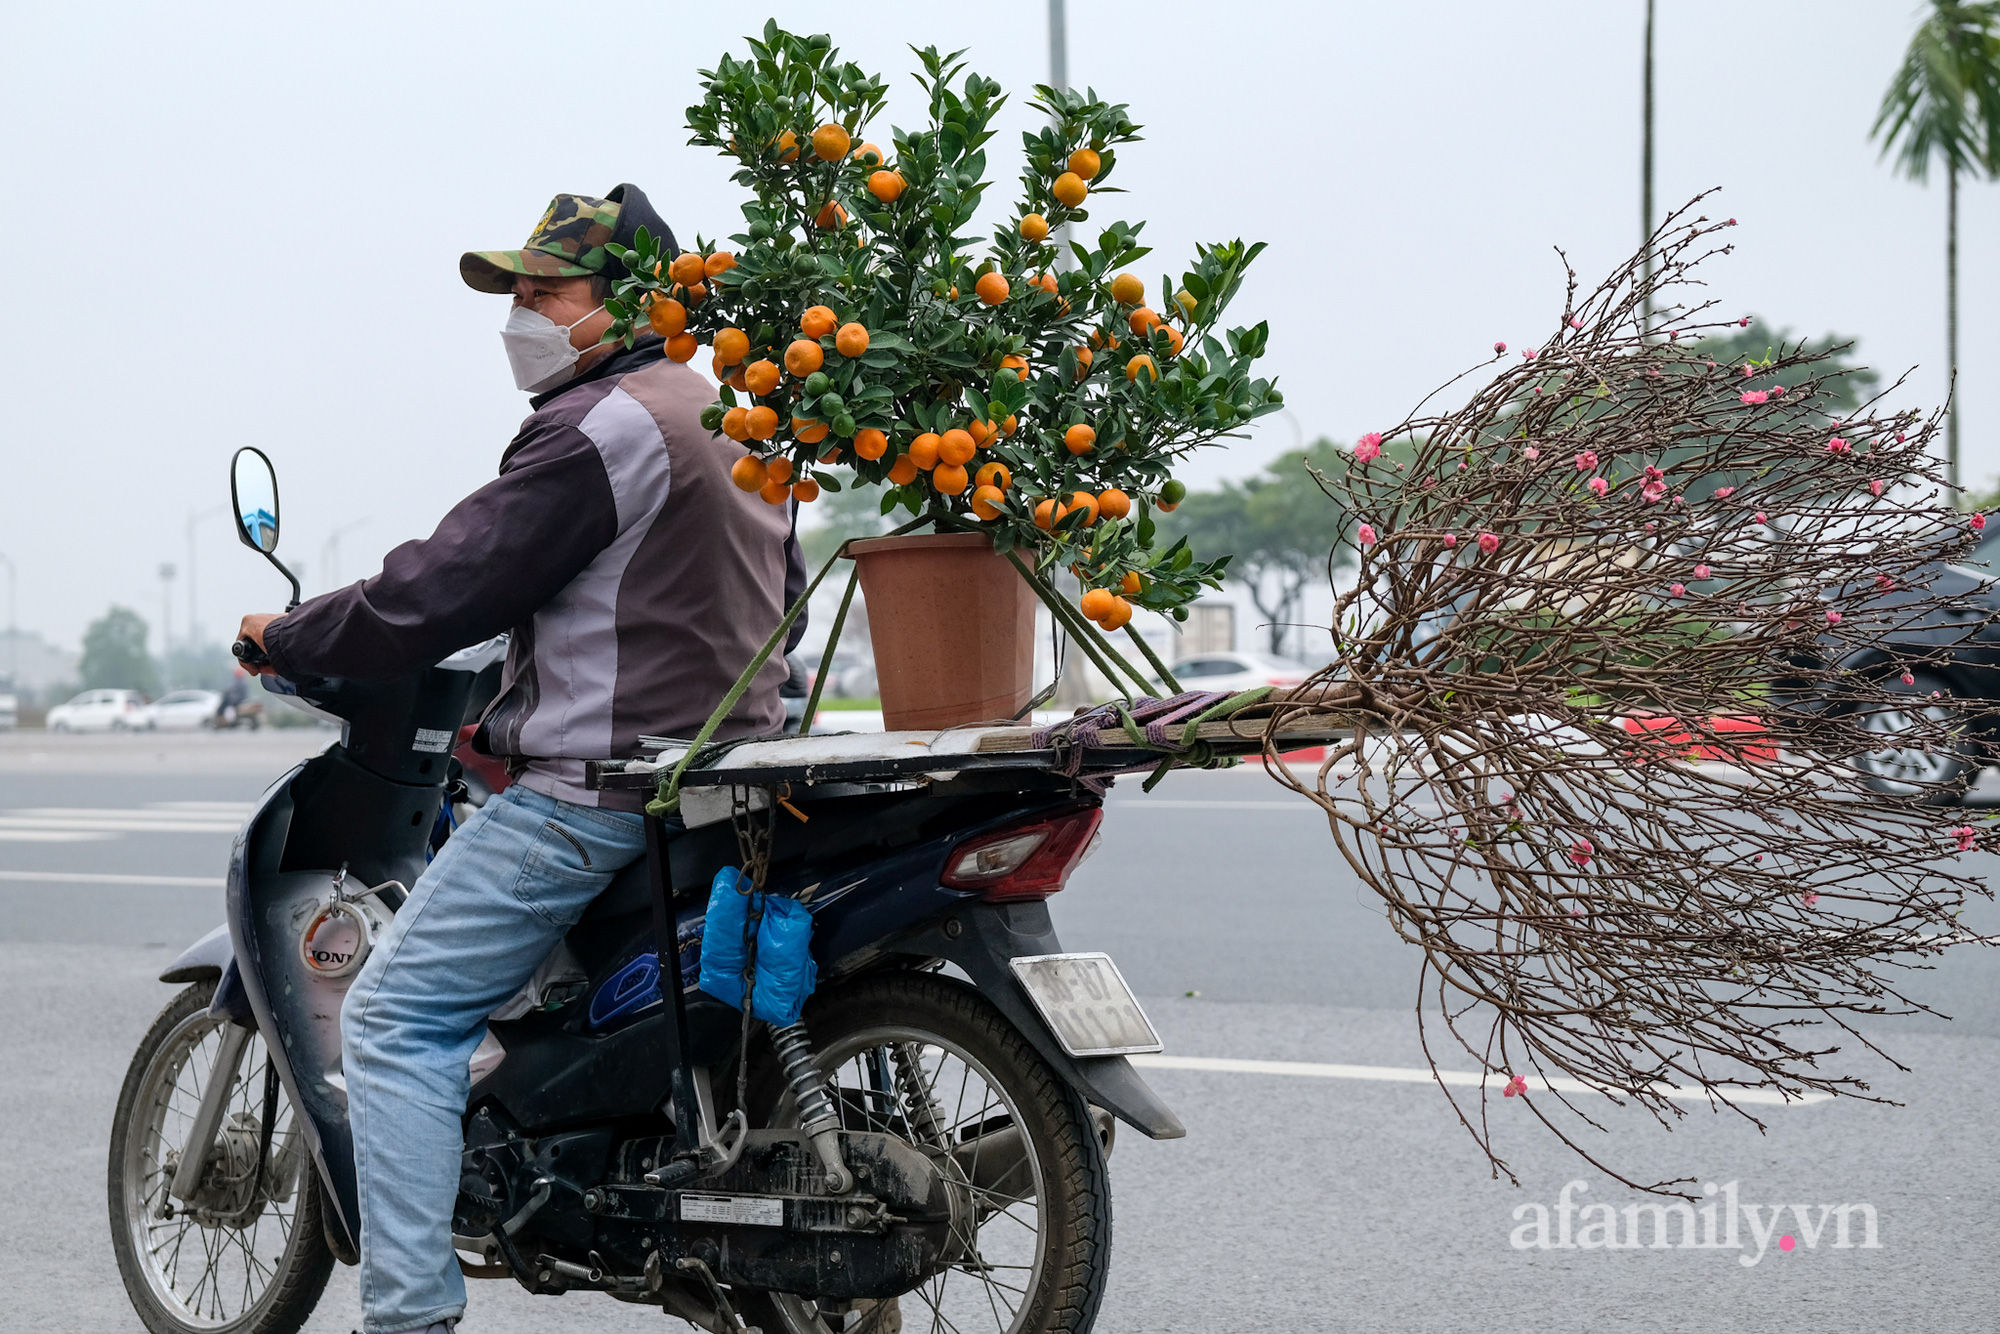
1366,534
1701,572
1837,445
1909,680
1761,518
1499,347
1598,486
1885,583
1515,1087
1653,492
1875,487
1489,542
1676,589
1730,223
1833,618
1744,322
1580,852
1777,391
1748,370
1531,453
1978,522
1586,460
1967,837
1724,492
1368,447
1755,396
1810,898
1451,539
1576,322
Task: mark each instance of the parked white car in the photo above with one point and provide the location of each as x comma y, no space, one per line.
182,710
1239,671
100,711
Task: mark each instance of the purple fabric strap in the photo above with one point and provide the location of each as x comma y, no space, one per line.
1075,735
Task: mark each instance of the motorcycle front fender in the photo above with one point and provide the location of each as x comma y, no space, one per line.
982,938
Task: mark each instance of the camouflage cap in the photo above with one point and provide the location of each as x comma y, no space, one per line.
568,242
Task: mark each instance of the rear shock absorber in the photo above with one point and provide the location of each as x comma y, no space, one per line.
817,1115
926,1118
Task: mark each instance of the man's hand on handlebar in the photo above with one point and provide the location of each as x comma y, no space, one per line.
249,645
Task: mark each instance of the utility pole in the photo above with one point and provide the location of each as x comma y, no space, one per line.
1646,179
13,630
1072,670
167,624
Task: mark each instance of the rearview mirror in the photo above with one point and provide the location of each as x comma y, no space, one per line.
253,496
253,491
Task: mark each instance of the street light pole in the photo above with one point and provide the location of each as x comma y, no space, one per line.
167,624
1059,80
194,615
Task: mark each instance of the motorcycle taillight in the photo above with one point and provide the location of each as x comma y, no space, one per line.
1031,860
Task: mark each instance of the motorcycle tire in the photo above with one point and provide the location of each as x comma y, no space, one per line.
1061,1280
156,1254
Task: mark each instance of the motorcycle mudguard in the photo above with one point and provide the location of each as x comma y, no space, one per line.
981,938
204,960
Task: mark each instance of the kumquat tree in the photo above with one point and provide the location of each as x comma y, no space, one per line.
863,338
1639,665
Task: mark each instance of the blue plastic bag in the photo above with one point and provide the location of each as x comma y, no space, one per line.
786,973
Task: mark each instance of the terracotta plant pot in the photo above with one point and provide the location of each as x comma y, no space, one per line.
953,625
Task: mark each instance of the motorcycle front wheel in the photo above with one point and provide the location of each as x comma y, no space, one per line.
245,1255
1036,1254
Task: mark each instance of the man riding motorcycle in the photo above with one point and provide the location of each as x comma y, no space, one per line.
637,582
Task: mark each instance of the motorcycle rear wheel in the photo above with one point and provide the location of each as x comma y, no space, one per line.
246,1256
1040,1250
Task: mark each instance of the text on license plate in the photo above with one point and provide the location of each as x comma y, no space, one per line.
1086,1003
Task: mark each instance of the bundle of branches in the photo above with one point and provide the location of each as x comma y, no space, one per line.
1629,631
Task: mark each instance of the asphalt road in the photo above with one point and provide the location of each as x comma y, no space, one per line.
1302,1199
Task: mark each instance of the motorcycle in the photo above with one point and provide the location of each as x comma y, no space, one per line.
923,1148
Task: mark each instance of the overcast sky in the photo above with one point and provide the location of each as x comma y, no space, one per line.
240,224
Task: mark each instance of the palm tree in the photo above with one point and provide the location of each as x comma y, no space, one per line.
1945,103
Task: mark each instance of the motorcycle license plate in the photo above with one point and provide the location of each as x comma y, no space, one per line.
1086,1003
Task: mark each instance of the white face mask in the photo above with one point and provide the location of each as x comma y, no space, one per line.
538,349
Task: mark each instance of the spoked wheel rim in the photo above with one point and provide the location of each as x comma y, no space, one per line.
1002,1240
1907,768
212,1262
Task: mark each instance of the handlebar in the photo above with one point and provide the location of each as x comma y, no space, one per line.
249,653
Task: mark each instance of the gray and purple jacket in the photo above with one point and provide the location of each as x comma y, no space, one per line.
636,579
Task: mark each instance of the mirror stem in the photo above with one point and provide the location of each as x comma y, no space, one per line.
290,578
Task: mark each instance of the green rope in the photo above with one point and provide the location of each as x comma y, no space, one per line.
1093,644
826,659
1241,700
1166,676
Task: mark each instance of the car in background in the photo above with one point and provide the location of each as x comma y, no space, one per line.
1947,653
1234,671
100,711
10,711
183,710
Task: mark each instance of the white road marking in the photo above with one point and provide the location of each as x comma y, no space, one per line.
107,878
78,824
1455,1078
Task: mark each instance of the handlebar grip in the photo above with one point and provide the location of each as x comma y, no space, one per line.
249,654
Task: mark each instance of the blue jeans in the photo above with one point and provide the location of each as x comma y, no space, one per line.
501,893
